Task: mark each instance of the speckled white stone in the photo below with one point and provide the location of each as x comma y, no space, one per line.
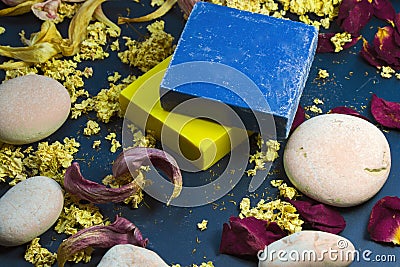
32,107
337,159
308,248
132,256
29,209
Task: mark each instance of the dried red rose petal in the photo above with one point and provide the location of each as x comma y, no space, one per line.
325,44
76,184
319,216
121,231
348,111
299,118
354,15
384,221
386,47
383,9
370,55
385,112
246,237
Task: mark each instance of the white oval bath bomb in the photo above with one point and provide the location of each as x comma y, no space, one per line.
337,159
132,256
29,209
32,107
309,248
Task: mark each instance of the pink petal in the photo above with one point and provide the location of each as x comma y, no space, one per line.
384,221
385,112
246,237
46,10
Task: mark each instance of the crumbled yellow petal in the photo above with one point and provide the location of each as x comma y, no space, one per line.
202,225
204,264
322,74
148,53
276,183
39,256
397,76
76,216
340,39
115,45
91,128
260,158
111,136
318,101
2,30
387,72
281,212
96,144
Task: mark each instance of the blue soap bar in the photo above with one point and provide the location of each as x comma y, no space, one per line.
255,64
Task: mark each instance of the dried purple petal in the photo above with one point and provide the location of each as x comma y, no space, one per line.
133,158
354,15
319,216
384,221
46,10
121,231
77,185
325,44
386,47
246,237
370,55
383,9
385,112
348,111
299,118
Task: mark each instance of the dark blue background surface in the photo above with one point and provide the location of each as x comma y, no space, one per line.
172,231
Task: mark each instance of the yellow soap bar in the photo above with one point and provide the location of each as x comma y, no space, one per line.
202,142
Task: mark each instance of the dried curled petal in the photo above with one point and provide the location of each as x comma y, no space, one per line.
161,11
299,118
46,10
354,15
325,44
383,9
385,112
121,231
132,159
386,47
384,221
319,216
77,185
246,237
348,111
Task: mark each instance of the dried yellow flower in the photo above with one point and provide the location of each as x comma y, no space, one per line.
340,39
39,256
284,190
202,225
322,74
281,212
147,54
96,144
260,158
91,128
387,72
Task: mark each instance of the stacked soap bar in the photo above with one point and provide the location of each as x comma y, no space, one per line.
200,142
256,64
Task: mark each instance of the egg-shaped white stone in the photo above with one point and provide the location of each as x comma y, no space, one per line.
29,209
